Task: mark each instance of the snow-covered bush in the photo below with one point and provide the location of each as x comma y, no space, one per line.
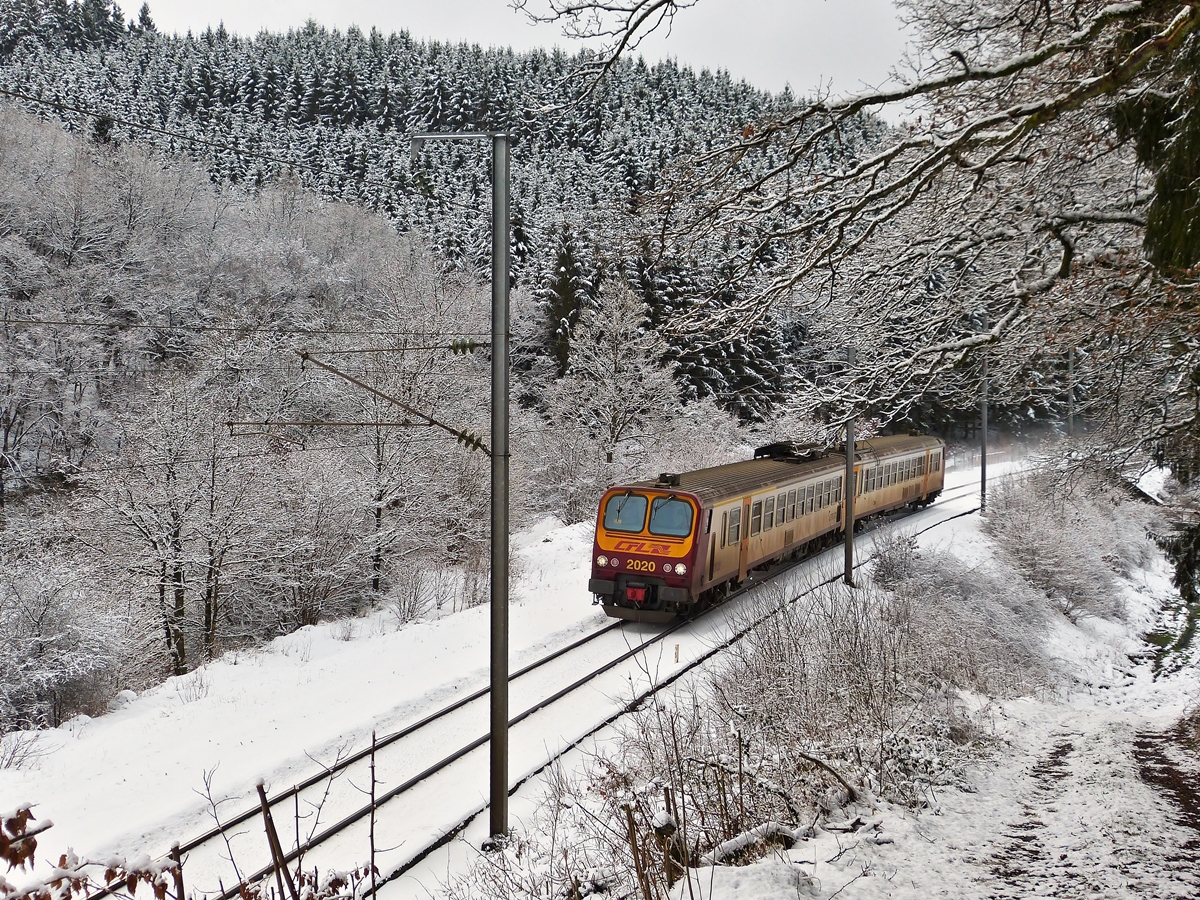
965,626
61,642
1059,529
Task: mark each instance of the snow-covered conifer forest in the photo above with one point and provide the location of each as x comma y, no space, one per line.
194,230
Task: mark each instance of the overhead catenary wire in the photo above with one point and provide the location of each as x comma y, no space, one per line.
80,471
472,440
242,329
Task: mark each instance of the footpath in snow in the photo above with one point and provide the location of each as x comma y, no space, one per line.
1086,794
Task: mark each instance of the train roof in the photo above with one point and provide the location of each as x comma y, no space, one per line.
736,479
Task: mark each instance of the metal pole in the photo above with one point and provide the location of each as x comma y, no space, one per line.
983,416
1070,392
849,484
500,267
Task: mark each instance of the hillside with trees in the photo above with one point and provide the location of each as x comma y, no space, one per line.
336,111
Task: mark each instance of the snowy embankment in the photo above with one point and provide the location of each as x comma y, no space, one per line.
1061,798
1066,805
133,781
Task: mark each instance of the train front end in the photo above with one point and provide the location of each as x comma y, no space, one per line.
644,553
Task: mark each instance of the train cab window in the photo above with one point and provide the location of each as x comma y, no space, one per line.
670,517
768,514
756,514
625,512
791,505
935,462
735,525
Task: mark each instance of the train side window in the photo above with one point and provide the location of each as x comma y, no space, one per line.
808,502
735,525
791,505
837,490
756,513
828,493
768,514
724,527
708,523
780,509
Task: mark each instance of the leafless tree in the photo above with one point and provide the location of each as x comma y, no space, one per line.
1025,207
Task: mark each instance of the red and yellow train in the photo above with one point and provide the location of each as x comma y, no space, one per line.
665,548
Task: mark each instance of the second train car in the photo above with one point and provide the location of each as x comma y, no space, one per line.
664,548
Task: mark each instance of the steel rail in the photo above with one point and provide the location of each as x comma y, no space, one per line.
251,813
358,815
363,812
633,704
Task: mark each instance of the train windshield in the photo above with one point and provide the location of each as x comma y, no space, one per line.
670,517
625,512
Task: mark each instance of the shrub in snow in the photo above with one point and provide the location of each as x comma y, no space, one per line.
1065,535
61,643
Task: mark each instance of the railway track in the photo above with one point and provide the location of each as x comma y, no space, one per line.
326,818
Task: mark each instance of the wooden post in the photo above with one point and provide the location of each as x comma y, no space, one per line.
178,860
281,869
639,869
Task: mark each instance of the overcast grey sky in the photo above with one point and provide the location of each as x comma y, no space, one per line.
770,43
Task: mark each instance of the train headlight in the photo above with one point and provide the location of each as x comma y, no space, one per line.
667,568
602,561
680,569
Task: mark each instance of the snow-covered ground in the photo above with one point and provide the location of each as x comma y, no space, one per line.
1068,806
1061,809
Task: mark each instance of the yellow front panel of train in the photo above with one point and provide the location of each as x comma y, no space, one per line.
646,523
